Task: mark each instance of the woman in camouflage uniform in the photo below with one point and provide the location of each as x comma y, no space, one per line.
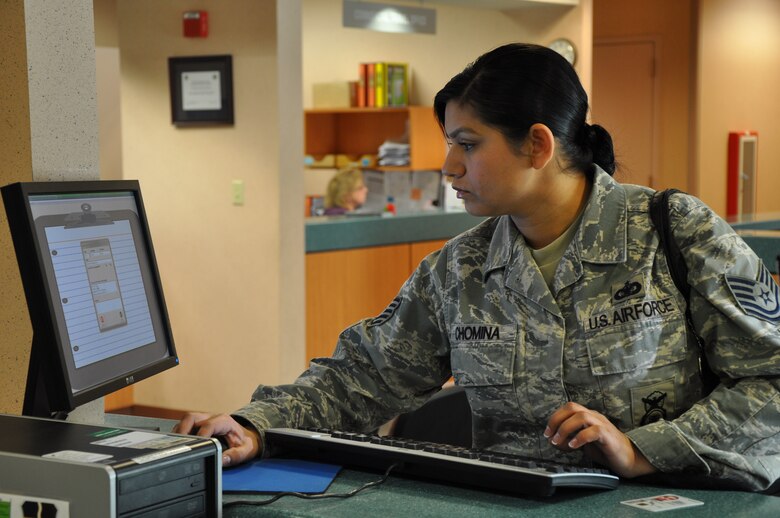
558,315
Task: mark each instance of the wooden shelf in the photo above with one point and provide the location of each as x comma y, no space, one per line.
402,109
360,131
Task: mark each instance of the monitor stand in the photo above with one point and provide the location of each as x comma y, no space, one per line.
94,413
155,424
36,400
36,404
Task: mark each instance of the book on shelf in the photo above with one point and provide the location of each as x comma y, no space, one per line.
362,82
370,85
397,87
380,85
383,84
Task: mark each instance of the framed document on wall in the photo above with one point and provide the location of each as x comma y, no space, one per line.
201,90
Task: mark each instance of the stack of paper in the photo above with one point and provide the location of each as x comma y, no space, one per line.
393,154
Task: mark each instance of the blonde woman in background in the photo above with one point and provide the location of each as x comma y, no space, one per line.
345,193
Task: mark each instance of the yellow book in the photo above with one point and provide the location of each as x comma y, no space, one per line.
380,84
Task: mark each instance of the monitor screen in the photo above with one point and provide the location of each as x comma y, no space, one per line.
92,287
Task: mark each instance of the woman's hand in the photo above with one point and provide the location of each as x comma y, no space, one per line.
243,443
573,426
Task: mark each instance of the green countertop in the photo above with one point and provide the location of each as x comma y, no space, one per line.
760,232
402,497
345,232
761,221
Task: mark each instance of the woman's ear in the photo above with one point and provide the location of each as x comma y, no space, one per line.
542,143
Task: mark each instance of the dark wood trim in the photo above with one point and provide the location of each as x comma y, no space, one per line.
151,411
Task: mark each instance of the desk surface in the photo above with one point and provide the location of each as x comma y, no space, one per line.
400,497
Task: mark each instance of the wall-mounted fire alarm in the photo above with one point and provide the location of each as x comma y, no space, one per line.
196,24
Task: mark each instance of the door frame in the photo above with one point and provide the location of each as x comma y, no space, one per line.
656,41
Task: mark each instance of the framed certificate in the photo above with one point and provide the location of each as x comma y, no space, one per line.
201,90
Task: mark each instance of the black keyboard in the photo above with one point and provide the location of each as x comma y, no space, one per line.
483,469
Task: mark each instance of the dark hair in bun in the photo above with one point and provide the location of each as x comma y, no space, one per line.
517,85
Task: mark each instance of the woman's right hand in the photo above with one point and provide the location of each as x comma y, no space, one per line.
243,443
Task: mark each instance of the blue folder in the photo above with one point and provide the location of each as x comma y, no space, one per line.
279,475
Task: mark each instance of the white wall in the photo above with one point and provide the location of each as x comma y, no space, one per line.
109,114
223,266
738,85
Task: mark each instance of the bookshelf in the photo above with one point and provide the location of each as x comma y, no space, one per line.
360,131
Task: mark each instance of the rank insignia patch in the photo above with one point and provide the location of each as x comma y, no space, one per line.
758,298
387,313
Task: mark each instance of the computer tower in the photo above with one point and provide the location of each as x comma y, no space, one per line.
83,470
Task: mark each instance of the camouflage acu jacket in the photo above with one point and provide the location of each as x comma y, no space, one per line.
610,335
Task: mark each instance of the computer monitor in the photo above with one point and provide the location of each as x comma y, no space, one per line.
93,291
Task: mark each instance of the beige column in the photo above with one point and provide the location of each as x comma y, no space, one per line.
292,317
48,131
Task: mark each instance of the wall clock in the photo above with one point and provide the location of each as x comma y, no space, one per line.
565,48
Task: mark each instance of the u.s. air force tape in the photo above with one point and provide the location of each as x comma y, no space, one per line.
759,298
387,313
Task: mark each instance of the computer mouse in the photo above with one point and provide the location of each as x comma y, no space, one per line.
221,438
223,441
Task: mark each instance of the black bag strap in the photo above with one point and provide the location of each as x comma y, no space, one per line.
659,214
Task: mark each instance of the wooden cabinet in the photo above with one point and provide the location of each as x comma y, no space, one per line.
418,251
345,286
360,131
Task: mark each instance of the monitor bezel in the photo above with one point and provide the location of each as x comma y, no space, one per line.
49,387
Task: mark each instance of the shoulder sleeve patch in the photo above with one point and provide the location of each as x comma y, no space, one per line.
759,298
387,313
